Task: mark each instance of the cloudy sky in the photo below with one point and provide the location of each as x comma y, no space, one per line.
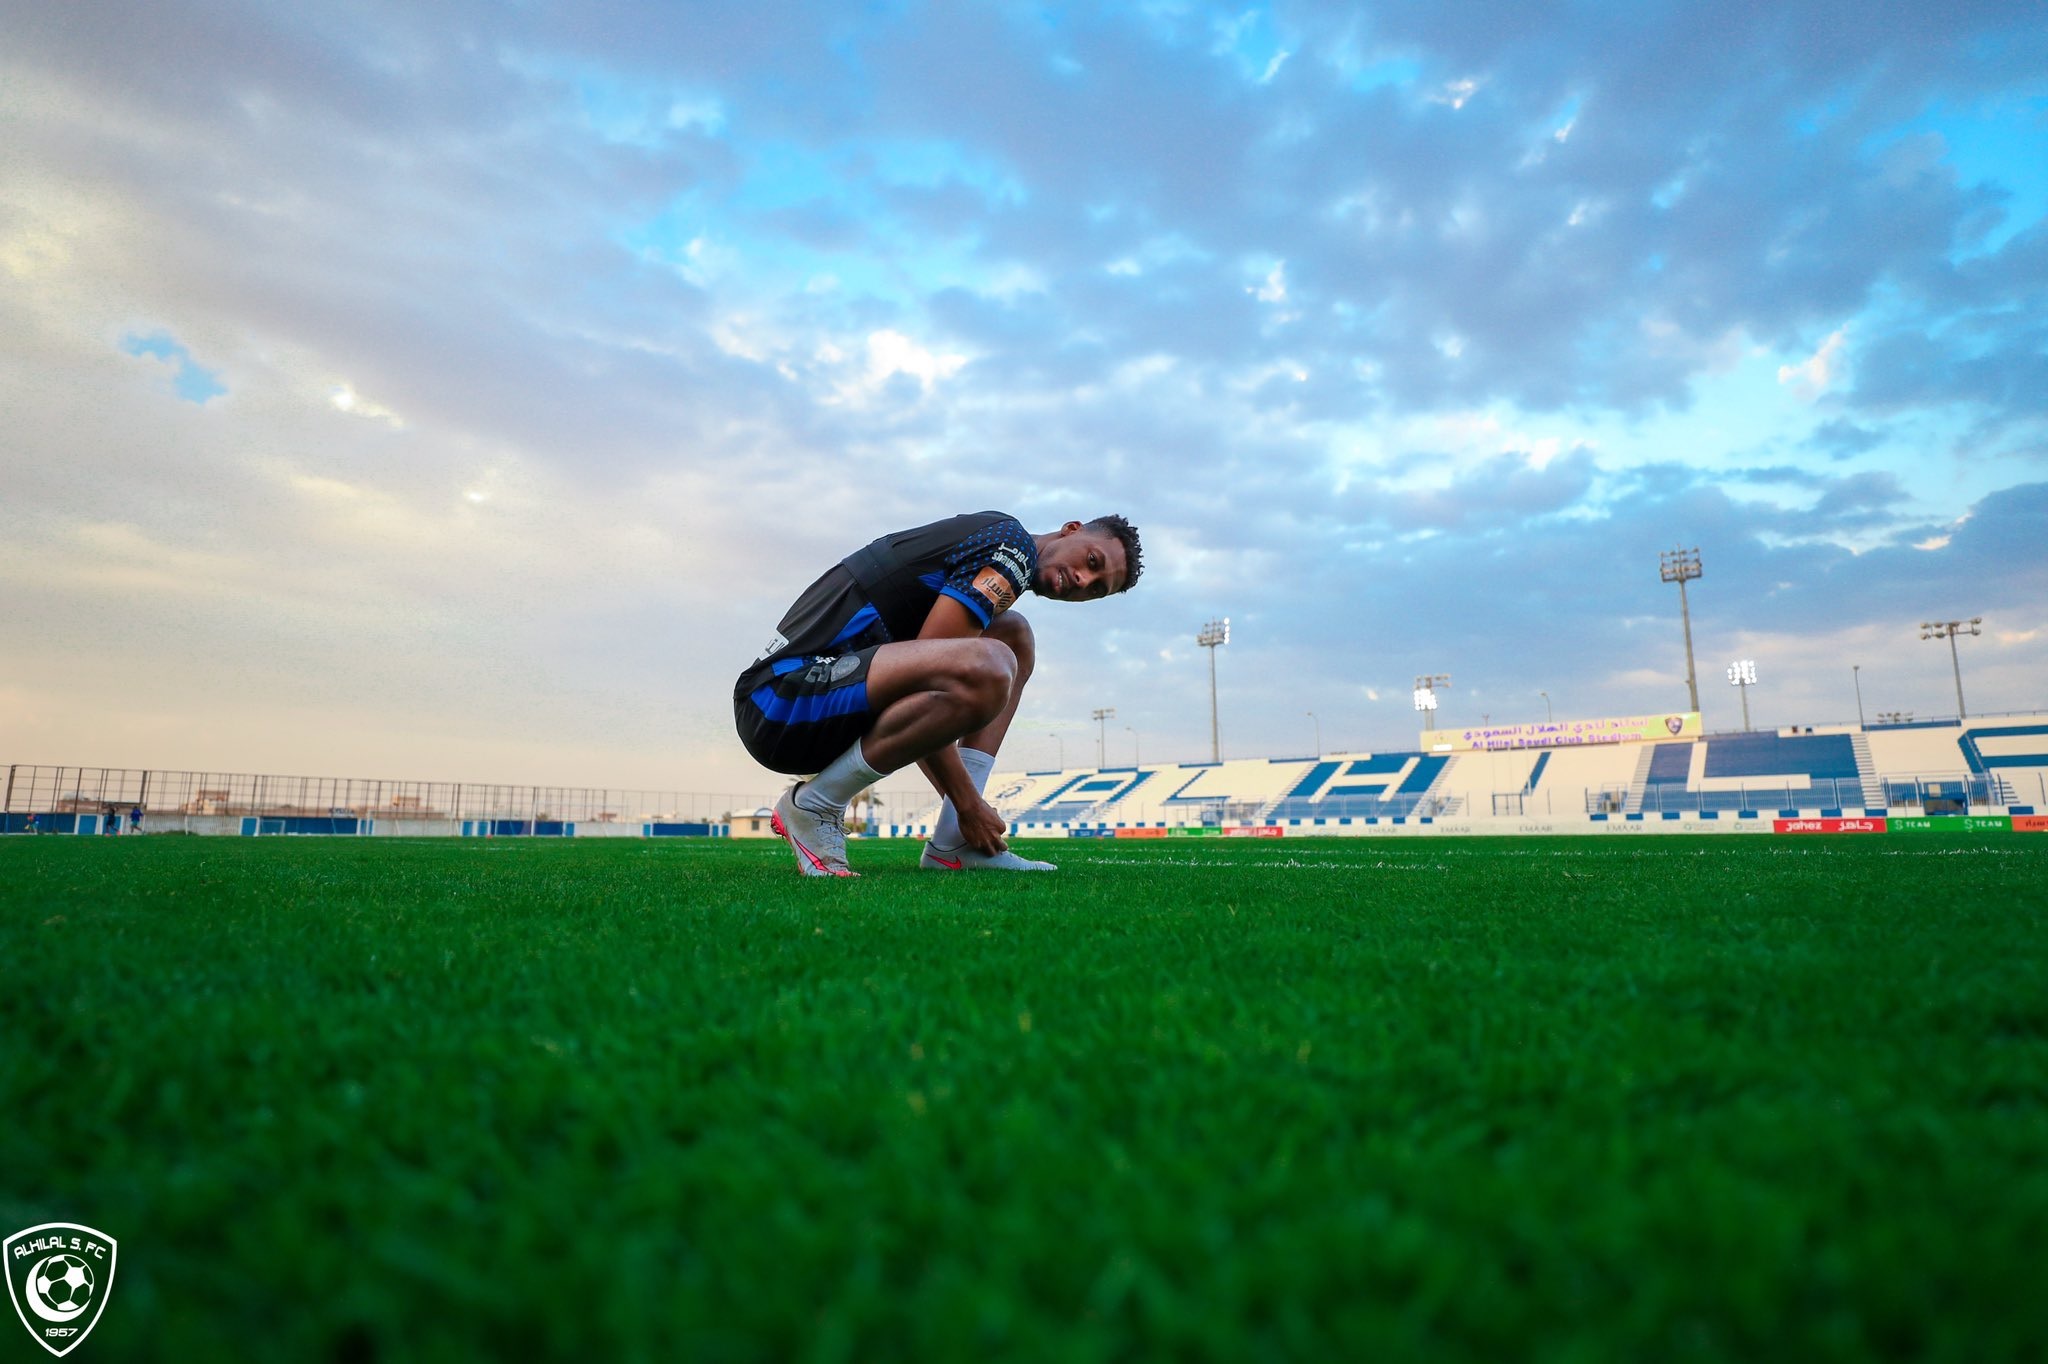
458,389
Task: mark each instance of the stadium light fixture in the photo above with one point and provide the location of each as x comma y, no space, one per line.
1895,717
1548,714
1948,630
1856,676
1137,750
1214,635
1742,673
1425,690
1681,566
1319,733
1100,717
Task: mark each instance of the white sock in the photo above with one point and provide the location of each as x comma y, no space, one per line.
946,833
844,778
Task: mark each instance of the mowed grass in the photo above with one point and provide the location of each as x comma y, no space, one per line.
1650,1099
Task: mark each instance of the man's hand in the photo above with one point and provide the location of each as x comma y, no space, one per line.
982,827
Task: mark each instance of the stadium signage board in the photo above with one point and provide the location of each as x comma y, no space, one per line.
59,1275
1951,824
1253,831
2030,824
1615,729
1828,826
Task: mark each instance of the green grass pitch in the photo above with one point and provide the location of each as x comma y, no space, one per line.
1435,1099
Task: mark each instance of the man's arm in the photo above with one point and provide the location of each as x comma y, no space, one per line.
979,823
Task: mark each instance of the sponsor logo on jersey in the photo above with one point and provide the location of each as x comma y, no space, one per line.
991,583
1012,558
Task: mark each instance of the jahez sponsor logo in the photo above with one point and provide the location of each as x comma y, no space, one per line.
1828,826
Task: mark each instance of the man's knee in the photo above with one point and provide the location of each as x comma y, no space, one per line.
1014,631
990,674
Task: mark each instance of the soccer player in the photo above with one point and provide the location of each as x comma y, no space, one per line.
909,651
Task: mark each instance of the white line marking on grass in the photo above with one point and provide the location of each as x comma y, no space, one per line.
1294,863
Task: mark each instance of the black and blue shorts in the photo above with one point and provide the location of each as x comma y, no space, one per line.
795,715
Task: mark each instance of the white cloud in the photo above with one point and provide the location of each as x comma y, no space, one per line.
1814,375
1455,93
1273,289
884,354
891,353
344,398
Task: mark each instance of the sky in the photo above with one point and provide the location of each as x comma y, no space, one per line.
453,389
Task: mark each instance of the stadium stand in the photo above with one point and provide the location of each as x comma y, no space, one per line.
1995,766
1838,771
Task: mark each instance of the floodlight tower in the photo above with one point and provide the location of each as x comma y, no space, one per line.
1948,630
1681,566
1425,692
1215,634
1101,731
1742,673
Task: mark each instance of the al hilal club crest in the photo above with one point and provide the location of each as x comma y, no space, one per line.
59,1275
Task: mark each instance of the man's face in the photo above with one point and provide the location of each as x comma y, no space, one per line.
1081,565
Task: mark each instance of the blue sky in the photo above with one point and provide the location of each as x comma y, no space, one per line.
451,389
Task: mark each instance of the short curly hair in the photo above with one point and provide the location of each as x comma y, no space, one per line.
1134,554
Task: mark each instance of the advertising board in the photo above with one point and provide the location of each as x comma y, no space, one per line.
1619,729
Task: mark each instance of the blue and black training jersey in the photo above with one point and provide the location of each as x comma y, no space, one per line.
884,591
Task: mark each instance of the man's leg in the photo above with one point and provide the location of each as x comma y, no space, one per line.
924,696
1015,632
947,849
927,693
978,750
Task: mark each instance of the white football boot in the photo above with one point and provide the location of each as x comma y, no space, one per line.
818,839
965,858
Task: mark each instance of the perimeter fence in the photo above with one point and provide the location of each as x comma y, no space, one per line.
160,794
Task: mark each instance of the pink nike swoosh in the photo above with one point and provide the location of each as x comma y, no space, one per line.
951,866
775,823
